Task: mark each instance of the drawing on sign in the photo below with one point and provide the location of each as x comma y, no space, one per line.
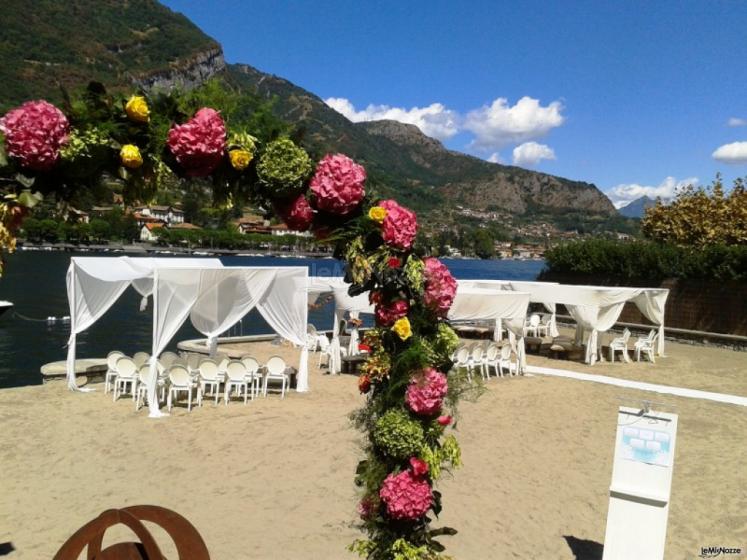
646,446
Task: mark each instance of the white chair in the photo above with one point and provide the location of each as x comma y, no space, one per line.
143,375
646,346
180,380
193,364
491,360
476,360
533,326
544,325
462,361
253,375
620,344
208,377
167,359
111,369
505,360
325,350
312,338
236,378
275,371
140,358
126,377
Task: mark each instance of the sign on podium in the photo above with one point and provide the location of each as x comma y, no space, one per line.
641,484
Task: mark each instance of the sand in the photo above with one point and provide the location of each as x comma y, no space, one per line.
274,479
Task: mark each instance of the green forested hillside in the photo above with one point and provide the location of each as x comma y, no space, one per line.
48,43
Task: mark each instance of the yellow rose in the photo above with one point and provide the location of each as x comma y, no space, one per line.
137,109
130,156
377,213
402,328
240,159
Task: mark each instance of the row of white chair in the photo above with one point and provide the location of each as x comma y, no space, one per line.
196,372
481,358
537,326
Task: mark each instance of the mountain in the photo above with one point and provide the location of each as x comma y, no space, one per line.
50,43
637,208
141,42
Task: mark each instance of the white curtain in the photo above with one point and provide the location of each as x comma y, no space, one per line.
594,319
226,299
284,307
652,304
89,299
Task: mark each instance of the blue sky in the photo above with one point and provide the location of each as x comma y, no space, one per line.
635,97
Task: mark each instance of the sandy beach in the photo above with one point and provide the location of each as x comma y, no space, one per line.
274,479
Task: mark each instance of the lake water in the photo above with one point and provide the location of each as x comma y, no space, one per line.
35,283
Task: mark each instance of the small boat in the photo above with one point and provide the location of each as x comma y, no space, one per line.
5,306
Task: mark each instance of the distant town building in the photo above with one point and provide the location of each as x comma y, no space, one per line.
166,214
149,231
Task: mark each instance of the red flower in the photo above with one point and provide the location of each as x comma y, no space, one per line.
338,184
418,466
400,225
34,134
440,286
374,296
444,420
198,144
386,315
364,347
394,262
297,214
364,384
406,496
426,391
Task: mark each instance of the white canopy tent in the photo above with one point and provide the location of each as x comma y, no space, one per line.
212,296
594,308
504,307
470,303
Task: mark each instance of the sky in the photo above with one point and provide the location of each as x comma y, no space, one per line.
637,97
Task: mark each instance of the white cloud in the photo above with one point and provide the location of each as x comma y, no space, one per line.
736,121
736,153
499,124
495,157
625,193
435,120
530,154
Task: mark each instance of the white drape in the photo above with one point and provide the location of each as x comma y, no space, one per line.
594,319
226,299
284,307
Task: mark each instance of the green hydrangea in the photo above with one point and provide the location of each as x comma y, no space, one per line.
83,144
414,271
242,140
283,167
446,339
447,454
398,435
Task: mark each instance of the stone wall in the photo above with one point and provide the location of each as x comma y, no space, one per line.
719,307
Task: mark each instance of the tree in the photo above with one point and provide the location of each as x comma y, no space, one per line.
100,230
700,216
483,244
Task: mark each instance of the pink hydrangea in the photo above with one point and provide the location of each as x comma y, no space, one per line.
418,466
297,214
387,314
426,392
399,226
406,496
338,184
198,144
34,134
440,286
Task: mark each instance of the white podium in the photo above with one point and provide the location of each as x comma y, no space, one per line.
641,483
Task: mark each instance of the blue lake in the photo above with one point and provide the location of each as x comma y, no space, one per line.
35,283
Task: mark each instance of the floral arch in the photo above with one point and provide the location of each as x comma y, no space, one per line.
410,401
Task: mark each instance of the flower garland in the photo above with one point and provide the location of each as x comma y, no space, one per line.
410,401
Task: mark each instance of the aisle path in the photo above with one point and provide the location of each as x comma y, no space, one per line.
664,389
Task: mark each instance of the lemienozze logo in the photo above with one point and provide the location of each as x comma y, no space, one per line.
715,551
